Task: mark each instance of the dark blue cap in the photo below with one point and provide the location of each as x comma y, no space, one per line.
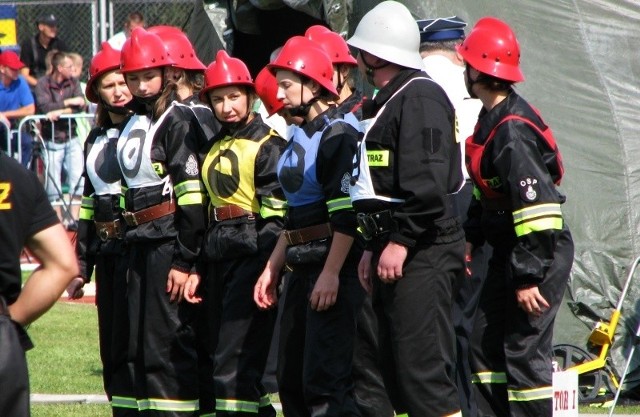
441,29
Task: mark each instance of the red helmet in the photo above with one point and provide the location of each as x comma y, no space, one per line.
143,50
492,48
105,60
178,47
303,56
267,90
334,45
225,71
315,30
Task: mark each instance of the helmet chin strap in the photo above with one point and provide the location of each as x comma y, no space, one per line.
303,109
470,82
371,69
233,126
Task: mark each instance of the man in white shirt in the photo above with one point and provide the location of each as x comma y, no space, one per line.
134,20
438,40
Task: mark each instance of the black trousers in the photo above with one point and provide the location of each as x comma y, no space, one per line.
511,351
162,348
416,327
370,391
14,375
465,305
244,338
113,322
316,348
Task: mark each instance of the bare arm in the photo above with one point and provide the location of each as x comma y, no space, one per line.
27,76
23,111
58,266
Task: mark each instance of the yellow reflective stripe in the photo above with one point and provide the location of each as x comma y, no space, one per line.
540,210
538,225
458,414
378,158
489,378
208,415
85,213
190,186
124,402
339,204
537,218
272,207
168,405
532,394
264,401
266,212
237,406
276,203
190,199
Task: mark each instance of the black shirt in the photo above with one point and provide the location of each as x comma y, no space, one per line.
24,211
33,54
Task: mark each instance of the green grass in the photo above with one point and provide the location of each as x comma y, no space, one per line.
65,360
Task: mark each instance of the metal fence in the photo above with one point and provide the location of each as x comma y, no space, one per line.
84,24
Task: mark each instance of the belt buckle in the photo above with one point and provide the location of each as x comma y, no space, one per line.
367,226
130,218
215,214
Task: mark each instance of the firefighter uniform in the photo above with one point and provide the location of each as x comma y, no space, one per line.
100,245
402,191
316,347
165,212
23,213
517,211
246,210
369,389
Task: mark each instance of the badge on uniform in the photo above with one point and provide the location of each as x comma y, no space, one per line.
345,182
529,190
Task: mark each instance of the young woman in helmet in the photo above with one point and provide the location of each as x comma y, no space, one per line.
245,219
515,166
350,99
371,395
100,244
323,293
186,76
164,212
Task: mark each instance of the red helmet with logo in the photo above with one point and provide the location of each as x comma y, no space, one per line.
225,71
143,50
267,90
492,48
107,59
178,47
334,45
303,56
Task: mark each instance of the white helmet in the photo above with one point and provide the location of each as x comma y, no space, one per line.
388,31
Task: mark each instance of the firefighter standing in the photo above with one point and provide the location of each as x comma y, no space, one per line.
164,212
407,169
246,210
369,390
515,166
100,243
187,80
323,295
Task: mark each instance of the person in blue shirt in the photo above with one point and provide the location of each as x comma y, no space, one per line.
16,102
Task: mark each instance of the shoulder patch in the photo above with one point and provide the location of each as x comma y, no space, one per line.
191,167
345,183
529,189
